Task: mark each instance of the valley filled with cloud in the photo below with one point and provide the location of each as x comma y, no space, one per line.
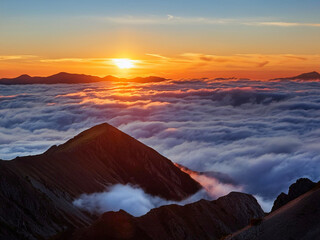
254,136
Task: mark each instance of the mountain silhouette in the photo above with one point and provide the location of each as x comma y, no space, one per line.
304,77
71,78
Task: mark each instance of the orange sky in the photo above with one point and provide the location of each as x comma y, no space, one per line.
260,39
187,65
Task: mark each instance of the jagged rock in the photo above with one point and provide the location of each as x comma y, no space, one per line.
300,187
297,220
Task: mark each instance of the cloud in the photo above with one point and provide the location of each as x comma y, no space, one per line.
172,19
16,57
131,199
135,201
169,19
261,134
288,24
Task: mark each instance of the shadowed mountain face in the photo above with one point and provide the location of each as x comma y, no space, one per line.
38,190
299,219
26,212
70,78
200,220
102,156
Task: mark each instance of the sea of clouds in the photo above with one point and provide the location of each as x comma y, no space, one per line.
262,136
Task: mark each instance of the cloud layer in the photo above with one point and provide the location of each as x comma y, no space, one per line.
131,199
263,135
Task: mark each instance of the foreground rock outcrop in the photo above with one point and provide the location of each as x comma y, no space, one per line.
297,220
300,187
200,220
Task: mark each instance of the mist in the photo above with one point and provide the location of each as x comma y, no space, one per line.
129,198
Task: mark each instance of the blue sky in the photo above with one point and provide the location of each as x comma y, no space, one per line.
287,9
133,29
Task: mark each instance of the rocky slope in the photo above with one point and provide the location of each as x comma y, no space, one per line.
297,220
40,189
200,220
300,187
25,212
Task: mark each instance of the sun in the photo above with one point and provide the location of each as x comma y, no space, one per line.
123,63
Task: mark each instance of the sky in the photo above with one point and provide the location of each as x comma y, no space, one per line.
176,39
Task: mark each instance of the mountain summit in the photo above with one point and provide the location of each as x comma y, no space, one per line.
101,156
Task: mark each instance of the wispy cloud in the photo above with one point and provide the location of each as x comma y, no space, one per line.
16,57
77,60
172,19
288,24
156,55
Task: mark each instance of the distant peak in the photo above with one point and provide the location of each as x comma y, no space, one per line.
24,76
310,74
62,74
304,76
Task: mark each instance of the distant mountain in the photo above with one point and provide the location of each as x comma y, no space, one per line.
69,78
298,219
36,192
196,221
305,77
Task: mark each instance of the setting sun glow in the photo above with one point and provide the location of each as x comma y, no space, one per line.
123,63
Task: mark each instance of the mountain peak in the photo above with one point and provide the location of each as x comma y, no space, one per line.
103,156
44,186
61,74
103,131
304,76
308,76
24,76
